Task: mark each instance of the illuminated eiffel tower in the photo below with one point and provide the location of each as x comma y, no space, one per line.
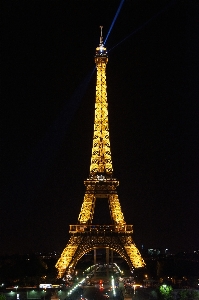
85,236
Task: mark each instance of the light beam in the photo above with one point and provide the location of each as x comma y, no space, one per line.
144,24
115,18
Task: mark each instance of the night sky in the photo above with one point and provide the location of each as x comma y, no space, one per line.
48,93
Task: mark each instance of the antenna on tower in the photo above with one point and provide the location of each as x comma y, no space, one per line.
101,37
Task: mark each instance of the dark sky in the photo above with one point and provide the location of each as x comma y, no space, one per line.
48,94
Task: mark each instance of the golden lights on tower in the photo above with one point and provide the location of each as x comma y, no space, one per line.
100,184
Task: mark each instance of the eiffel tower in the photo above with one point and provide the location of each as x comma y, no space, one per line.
85,236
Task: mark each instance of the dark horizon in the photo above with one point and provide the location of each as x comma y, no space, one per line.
48,95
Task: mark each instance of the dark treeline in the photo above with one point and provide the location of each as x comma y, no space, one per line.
26,269
32,269
179,265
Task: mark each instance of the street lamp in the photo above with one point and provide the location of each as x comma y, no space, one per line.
44,294
16,287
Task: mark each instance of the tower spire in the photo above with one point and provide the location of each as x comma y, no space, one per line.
101,37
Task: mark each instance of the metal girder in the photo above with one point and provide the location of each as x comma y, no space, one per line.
116,212
87,209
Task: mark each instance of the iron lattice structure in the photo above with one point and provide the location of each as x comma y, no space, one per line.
85,236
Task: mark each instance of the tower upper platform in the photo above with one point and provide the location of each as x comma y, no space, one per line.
101,50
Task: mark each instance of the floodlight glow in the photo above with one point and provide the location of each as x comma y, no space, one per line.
113,286
76,286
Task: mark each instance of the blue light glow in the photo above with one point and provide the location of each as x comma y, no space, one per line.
116,15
